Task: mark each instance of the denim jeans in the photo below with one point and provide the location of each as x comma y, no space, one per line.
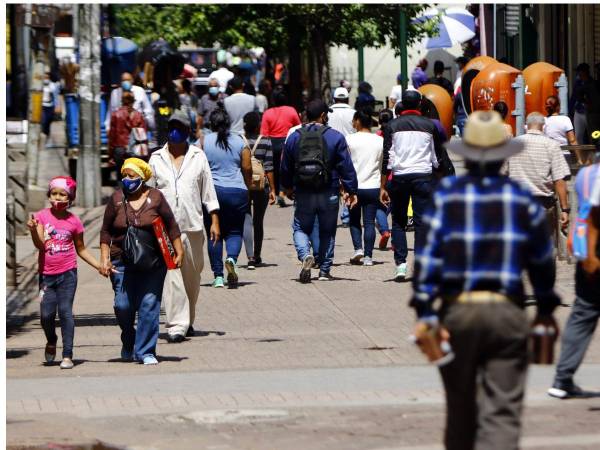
381,218
368,203
138,292
324,207
314,235
345,215
58,293
233,205
401,188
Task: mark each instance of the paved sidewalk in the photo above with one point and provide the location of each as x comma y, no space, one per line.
327,365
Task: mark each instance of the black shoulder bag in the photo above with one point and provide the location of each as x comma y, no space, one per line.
140,251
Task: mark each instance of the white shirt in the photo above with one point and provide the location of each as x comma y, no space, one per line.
140,103
261,103
458,81
187,190
366,150
595,196
222,75
557,127
341,118
291,130
396,93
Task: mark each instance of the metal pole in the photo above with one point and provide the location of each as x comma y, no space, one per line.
520,40
403,48
88,162
361,64
482,30
519,111
563,94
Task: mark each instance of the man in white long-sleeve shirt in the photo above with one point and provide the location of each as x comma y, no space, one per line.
182,174
140,103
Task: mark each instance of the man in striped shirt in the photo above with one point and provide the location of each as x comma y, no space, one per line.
482,232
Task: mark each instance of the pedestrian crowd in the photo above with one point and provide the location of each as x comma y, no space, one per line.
232,152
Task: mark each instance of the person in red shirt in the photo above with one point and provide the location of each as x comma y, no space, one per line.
122,121
276,123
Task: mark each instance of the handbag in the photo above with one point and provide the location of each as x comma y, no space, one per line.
139,250
258,170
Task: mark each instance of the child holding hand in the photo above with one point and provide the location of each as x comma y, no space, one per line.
58,235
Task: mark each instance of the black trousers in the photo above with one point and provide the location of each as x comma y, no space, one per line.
259,200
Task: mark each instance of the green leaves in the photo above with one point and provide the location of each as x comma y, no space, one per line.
250,25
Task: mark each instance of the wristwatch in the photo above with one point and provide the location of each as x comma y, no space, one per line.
566,210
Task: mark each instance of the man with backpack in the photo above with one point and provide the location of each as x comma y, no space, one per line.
586,309
314,163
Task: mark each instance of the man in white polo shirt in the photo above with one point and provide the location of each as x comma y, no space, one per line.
343,114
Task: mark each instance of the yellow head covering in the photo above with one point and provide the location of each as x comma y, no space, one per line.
139,166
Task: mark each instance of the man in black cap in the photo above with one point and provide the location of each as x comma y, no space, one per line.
315,161
182,173
409,154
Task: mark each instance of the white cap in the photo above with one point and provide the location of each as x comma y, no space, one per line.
341,92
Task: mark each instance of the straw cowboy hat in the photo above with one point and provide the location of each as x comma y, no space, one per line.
484,139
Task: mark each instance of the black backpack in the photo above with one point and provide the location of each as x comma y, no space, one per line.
312,164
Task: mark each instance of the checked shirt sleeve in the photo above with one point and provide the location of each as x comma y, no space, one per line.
428,261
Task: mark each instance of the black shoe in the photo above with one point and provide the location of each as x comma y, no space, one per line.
258,261
562,392
251,264
316,264
325,276
190,332
175,338
307,264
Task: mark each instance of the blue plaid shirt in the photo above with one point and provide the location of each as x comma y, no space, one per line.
482,233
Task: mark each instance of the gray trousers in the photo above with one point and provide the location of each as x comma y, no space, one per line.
485,383
575,340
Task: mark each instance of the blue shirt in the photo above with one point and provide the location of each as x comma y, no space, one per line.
482,233
225,164
340,162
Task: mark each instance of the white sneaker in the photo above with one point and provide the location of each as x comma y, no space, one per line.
358,255
368,261
400,272
67,363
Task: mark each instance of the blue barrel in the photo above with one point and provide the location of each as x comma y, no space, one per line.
104,99
72,107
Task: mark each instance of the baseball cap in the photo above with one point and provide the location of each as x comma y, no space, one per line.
315,108
181,117
341,92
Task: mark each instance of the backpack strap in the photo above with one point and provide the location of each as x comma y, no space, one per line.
255,145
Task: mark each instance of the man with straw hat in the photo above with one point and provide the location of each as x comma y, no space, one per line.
483,231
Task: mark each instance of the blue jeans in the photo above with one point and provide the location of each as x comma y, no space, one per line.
310,207
58,293
401,188
368,203
138,292
314,235
381,218
233,206
345,215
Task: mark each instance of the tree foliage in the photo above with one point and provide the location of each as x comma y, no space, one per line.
267,25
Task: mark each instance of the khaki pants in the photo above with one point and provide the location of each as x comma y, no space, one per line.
182,286
485,383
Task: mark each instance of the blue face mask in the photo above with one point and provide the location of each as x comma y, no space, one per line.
132,185
213,90
126,85
176,136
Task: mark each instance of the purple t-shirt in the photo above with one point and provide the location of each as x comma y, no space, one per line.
59,253
419,78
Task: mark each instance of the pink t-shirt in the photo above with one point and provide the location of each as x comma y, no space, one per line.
59,255
277,121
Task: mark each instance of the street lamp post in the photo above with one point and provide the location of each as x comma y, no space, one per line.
403,47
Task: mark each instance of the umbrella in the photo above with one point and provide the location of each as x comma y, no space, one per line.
118,56
456,26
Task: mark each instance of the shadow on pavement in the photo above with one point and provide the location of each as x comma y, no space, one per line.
14,354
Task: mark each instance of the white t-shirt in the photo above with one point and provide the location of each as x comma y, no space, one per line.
341,118
557,127
366,150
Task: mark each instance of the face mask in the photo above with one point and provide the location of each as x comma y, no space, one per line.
132,185
176,136
213,90
59,205
126,85
46,82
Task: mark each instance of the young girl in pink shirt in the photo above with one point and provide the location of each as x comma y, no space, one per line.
58,235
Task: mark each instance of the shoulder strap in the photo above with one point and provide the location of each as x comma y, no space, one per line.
246,144
256,145
124,202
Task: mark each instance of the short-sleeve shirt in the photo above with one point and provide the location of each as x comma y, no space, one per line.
595,197
539,165
557,128
396,93
277,121
59,255
237,106
207,104
225,164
